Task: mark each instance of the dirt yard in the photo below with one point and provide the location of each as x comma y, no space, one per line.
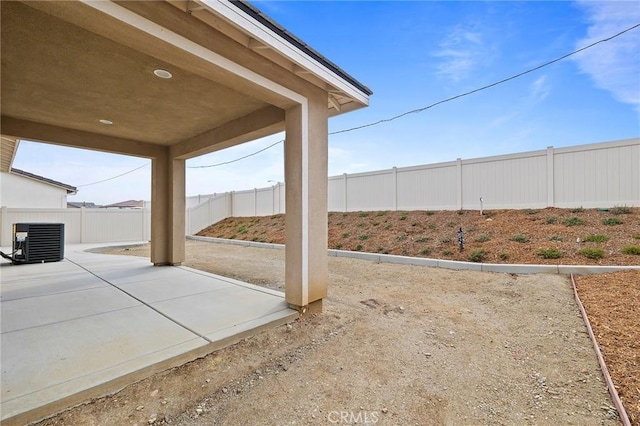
395,345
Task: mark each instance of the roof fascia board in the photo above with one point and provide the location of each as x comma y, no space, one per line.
266,36
68,188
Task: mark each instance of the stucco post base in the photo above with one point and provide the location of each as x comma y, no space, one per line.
311,309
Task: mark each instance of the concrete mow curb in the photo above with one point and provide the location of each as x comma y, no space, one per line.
437,263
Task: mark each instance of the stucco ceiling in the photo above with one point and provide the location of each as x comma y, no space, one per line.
60,74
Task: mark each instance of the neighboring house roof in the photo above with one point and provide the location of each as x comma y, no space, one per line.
70,189
79,204
129,204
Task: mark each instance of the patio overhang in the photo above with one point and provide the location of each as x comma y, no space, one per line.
171,80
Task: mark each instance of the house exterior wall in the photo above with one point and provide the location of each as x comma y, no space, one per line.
19,191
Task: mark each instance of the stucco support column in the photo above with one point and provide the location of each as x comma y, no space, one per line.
306,153
167,210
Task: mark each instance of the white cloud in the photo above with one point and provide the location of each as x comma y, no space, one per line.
614,65
539,89
461,50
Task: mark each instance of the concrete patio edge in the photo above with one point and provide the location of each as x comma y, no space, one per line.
438,263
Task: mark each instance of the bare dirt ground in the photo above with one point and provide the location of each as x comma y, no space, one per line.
548,236
395,345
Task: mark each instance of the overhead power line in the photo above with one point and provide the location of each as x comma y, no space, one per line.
418,110
114,177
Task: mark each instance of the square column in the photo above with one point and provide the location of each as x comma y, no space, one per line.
167,210
306,162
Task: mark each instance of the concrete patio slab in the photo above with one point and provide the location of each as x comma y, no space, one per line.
92,323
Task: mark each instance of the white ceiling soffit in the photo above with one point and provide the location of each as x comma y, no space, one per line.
263,34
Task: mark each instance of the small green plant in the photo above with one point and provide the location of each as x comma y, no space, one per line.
577,210
358,247
504,255
621,210
637,236
451,224
429,213
432,226
337,246
552,220
345,235
531,211
375,223
596,238
363,214
233,237
447,252
242,230
363,237
425,252
482,238
446,240
361,225
573,221
381,213
404,215
478,255
611,221
520,238
422,239
549,253
630,249
557,238
592,253
401,238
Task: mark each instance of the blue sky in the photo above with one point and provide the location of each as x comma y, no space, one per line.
413,54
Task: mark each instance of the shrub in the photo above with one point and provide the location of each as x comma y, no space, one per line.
478,255
596,238
631,250
447,252
430,213
422,239
363,214
337,246
376,223
552,220
358,247
242,230
531,211
577,210
446,240
233,237
432,226
425,252
381,213
637,236
363,237
520,238
345,235
556,238
549,253
621,210
403,215
504,255
401,238
573,221
360,225
592,253
482,238
610,221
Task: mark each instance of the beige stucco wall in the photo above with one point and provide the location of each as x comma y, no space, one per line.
18,191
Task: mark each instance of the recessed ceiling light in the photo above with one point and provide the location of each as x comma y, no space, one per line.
103,121
162,73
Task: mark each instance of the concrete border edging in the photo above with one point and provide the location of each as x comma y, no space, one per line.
624,418
439,263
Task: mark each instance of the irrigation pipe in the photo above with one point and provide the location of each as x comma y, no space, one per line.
603,366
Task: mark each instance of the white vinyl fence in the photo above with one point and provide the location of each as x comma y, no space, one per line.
83,225
596,175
